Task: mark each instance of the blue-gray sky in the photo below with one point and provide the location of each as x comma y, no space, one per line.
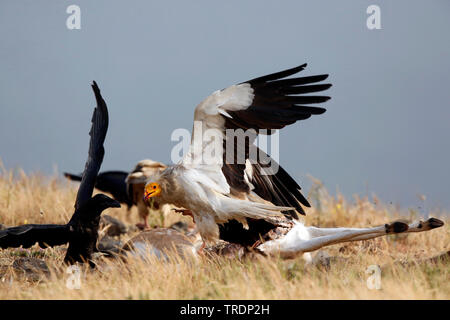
386,130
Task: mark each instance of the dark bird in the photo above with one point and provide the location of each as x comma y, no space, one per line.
82,230
113,182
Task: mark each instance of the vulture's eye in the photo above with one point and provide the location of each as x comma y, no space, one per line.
154,187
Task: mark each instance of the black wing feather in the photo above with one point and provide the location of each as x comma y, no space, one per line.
278,75
96,149
29,234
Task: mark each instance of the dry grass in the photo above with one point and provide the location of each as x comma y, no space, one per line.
39,199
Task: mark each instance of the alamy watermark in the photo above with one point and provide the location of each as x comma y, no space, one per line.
373,282
374,19
74,20
207,147
73,281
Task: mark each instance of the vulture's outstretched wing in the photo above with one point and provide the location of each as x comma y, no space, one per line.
262,105
47,235
96,150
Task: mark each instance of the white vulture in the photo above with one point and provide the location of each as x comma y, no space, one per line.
230,199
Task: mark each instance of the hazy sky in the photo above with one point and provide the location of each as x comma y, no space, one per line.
386,130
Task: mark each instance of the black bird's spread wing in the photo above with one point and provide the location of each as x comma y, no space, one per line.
28,234
82,230
96,149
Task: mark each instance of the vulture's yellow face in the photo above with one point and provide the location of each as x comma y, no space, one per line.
152,189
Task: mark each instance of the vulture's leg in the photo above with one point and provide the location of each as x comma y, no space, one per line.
203,246
143,211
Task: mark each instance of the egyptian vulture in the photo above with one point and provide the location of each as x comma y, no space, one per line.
233,195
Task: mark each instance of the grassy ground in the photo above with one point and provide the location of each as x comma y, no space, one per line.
404,275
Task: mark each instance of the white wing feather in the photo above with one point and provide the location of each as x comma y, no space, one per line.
205,155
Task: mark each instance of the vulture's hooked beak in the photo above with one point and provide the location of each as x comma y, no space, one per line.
151,190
